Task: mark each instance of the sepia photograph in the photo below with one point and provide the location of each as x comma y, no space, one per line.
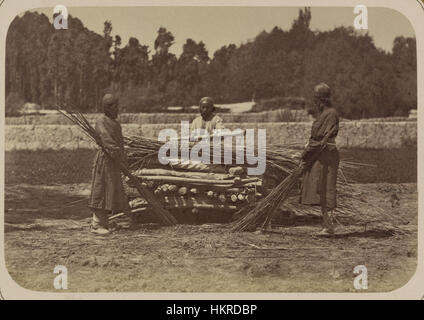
210,149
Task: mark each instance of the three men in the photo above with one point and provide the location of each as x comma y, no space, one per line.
318,183
107,191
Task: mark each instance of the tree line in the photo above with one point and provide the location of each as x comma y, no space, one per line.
76,66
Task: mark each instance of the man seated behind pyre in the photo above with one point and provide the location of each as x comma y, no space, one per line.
207,120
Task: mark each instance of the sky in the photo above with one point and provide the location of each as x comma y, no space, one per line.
219,26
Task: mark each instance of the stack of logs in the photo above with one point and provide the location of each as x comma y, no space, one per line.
196,191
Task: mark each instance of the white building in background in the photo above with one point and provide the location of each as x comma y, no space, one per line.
237,107
30,108
233,107
413,114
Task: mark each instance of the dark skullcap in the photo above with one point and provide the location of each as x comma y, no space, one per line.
109,100
322,91
206,101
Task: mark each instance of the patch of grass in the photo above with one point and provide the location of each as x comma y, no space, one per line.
67,166
392,165
49,166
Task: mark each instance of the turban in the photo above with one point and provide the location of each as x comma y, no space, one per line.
109,100
322,91
206,101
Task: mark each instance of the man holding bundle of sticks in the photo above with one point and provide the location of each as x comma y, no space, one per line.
320,177
107,191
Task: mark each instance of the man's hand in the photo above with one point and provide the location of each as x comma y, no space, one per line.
322,143
302,156
302,164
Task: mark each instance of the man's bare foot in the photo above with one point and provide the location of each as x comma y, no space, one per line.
326,232
99,230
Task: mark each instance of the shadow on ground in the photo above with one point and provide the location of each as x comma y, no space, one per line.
24,203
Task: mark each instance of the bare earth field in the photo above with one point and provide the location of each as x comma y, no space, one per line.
47,226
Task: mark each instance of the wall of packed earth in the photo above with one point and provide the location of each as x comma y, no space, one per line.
352,134
281,115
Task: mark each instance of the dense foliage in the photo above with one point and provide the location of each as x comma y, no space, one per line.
77,66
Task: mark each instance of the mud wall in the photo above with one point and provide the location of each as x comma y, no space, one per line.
362,134
281,115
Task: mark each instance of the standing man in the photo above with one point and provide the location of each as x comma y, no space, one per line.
319,180
207,120
107,191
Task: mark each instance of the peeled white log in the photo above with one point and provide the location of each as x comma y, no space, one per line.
179,180
236,171
213,206
122,213
184,174
173,188
182,191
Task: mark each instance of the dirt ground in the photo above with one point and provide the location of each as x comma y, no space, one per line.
47,226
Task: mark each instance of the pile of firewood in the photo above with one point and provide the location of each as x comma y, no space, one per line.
196,190
220,187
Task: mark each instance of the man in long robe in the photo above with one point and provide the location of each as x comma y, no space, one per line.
319,181
107,191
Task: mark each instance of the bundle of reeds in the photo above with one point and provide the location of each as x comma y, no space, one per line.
140,150
285,158
349,202
262,212
78,118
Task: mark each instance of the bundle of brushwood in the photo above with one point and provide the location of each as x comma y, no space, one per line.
262,212
197,186
195,190
255,205
214,185
352,207
78,118
191,186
